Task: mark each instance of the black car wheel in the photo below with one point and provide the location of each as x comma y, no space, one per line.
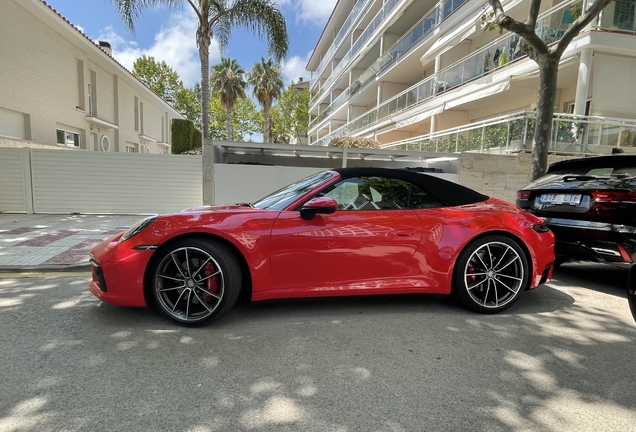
490,274
195,282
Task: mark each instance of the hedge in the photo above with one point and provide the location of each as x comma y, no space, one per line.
182,135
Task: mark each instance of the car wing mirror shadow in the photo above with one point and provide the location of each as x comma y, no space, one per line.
320,205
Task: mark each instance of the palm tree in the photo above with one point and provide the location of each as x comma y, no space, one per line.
226,79
216,19
267,79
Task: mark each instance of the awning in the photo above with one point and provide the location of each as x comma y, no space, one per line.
100,122
416,117
480,93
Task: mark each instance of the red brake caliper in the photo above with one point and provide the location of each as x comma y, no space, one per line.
213,282
471,279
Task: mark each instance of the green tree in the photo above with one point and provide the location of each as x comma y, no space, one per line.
290,114
216,18
244,122
547,56
188,102
157,75
228,82
267,79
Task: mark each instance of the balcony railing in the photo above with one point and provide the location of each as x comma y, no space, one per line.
353,15
514,132
337,103
364,37
550,27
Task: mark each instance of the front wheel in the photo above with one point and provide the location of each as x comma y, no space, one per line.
490,274
195,282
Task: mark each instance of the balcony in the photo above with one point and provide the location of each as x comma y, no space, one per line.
514,132
355,49
550,27
337,103
344,30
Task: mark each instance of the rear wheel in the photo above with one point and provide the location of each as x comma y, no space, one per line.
195,282
490,274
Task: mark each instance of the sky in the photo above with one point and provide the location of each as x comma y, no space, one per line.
169,34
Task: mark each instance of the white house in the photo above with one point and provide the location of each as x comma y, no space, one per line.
423,74
59,89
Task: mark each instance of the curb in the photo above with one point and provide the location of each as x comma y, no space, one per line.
72,268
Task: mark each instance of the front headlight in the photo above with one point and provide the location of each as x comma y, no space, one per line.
137,228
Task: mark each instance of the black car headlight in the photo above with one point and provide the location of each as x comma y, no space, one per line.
137,228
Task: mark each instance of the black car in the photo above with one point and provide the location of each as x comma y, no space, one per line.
590,205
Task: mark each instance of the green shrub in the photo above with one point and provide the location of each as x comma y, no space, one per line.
182,135
357,142
197,139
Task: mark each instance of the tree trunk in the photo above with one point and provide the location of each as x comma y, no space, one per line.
205,89
548,69
229,127
266,133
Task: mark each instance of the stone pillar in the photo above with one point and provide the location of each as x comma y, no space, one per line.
208,171
583,82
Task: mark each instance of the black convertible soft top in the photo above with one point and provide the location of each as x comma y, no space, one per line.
448,193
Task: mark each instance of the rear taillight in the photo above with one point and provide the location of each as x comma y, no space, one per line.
523,195
614,196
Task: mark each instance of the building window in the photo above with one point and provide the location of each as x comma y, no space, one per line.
130,149
105,143
92,95
141,116
90,99
68,139
136,113
13,124
81,103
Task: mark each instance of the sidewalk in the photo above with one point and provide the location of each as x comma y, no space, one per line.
54,242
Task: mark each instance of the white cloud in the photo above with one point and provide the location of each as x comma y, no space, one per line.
310,11
294,68
175,44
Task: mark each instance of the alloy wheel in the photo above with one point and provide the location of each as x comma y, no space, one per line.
494,275
189,284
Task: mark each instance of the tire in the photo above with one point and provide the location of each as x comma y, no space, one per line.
490,274
194,282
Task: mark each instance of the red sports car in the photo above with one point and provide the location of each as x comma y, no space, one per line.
350,231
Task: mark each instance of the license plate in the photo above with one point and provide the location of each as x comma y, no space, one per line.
556,199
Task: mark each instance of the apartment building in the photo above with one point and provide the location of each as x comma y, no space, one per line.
59,89
425,75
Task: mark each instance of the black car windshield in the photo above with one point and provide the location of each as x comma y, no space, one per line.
283,197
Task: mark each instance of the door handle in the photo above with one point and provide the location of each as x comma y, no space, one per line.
404,234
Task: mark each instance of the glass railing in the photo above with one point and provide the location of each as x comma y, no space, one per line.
337,103
364,37
619,15
514,132
550,27
353,15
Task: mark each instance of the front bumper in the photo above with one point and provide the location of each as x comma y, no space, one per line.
598,241
118,273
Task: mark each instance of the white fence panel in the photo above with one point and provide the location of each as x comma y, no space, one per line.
121,183
14,175
235,183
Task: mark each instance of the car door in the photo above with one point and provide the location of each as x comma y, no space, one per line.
369,239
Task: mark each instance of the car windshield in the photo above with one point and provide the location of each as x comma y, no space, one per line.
283,197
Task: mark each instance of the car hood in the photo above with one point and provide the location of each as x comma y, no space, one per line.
217,207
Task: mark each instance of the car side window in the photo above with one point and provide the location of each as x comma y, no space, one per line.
379,193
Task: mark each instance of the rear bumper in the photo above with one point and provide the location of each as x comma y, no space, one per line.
598,241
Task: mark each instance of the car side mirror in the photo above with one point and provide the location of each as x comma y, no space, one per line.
320,205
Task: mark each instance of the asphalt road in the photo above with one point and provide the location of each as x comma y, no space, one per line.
560,360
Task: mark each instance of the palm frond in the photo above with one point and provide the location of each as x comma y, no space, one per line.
265,20
130,10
